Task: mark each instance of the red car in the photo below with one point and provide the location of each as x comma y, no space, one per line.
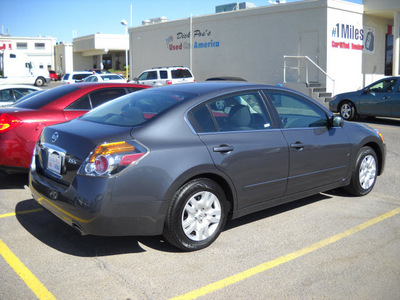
53,75
21,124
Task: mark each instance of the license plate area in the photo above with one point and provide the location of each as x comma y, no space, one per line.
55,161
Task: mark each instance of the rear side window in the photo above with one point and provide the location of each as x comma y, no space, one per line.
181,73
42,99
241,112
79,76
164,74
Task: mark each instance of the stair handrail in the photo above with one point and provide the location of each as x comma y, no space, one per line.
310,60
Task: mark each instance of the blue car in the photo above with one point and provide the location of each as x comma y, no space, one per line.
379,99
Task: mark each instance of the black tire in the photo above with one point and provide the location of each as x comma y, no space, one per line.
197,215
347,110
39,81
365,172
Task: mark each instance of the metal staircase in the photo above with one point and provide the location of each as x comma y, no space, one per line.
297,70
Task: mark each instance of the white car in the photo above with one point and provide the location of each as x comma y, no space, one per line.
75,77
105,78
11,93
165,76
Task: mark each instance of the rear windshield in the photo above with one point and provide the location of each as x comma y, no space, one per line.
136,108
46,97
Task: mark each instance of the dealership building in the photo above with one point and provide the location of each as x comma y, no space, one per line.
335,44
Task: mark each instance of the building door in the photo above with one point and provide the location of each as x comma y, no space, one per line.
309,46
107,62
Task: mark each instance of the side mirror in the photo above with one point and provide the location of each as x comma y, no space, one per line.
136,80
337,121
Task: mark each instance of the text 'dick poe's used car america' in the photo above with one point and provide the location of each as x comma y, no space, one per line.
178,160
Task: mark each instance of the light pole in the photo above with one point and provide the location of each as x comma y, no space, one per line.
124,23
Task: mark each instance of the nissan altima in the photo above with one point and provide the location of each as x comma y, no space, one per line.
179,160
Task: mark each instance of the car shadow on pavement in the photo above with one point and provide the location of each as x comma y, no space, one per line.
274,211
381,121
13,181
56,234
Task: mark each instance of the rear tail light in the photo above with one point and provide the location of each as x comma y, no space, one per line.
169,82
111,158
8,122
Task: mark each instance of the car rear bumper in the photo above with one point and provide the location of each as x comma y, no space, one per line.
96,213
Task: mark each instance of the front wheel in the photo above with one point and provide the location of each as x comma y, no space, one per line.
39,81
364,174
347,110
197,215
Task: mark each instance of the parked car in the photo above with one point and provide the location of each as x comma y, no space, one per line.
74,77
104,78
21,124
379,99
226,78
53,75
178,160
165,76
11,93
98,71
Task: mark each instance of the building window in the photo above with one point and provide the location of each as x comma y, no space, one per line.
41,67
22,46
39,46
389,55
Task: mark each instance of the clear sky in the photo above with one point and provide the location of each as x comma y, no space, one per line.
59,18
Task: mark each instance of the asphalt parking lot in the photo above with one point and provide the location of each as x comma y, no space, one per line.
330,246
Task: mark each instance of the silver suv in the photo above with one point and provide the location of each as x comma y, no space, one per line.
165,76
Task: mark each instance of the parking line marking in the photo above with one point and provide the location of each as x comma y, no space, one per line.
27,276
20,213
283,259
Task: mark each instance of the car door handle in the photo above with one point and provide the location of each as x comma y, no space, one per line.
223,148
386,97
297,145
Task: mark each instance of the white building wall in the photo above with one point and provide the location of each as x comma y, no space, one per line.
347,45
249,43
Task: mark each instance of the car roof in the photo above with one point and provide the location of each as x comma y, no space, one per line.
14,86
209,87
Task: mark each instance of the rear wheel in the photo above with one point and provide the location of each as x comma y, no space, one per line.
365,172
347,110
197,215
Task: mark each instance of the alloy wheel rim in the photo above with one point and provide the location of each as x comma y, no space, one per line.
201,216
367,173
346,111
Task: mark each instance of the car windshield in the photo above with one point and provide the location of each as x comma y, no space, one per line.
136,108
42,99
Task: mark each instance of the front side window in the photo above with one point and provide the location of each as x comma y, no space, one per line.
148,75
102,96
297,112
384,86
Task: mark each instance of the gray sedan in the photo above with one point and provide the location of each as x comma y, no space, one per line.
379,99
179,160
